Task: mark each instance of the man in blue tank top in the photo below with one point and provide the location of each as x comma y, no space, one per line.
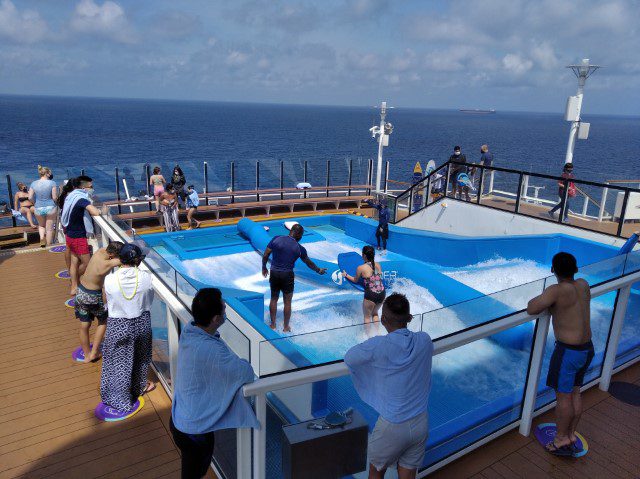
286,250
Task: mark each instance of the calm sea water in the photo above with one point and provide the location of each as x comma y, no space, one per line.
97,135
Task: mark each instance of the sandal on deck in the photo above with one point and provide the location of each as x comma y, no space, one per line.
562,451
150,387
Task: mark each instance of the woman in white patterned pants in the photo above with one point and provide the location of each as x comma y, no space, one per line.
127,343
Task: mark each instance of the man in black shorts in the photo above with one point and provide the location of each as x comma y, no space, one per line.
286,250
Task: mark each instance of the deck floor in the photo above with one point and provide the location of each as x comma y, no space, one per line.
47,426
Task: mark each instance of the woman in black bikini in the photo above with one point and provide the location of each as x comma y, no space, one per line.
23,204
374,292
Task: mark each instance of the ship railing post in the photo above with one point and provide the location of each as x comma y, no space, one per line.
350,176
173,335
118,191
206,182
257,181
428,193
491,178
533,374
369,176
446,185
260,438
480,184
620,310
305,176
623,212
525,188
10,202
148,176
281,179
585,205
233,181
519,195
602,204
328,176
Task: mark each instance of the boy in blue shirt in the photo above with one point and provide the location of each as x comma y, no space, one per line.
192,206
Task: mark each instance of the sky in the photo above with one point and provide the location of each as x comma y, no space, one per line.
503,54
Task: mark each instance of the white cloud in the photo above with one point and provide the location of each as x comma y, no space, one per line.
107,20
21,27
545,56
515,64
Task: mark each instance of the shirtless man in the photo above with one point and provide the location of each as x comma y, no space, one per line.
569,304
89,299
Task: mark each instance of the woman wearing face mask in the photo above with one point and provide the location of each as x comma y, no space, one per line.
457,156
43,194
23,204
178,181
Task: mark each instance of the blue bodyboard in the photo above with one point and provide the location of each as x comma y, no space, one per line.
349,262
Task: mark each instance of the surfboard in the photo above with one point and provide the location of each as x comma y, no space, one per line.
349,262
545,432
431,166
290,224
417,172
464,180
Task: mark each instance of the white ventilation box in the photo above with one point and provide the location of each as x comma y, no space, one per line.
574,103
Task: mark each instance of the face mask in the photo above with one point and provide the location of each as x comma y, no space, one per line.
457,153
89,191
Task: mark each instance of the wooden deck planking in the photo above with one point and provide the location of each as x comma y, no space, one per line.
609,425
47,426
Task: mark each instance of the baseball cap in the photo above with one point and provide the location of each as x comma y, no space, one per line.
131,252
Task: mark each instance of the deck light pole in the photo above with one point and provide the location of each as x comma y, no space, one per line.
578,129
383,131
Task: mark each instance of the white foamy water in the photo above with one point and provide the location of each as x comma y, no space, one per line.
499,274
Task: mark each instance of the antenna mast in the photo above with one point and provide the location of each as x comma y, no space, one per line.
578,129
383,131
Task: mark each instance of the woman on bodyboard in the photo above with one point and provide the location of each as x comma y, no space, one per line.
374,292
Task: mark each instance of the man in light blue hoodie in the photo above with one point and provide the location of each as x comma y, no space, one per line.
392,374
208,386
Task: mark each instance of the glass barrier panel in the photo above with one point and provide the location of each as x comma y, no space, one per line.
629,344
316,348
235,339
160,341
163,269
632,262
602,271
602,308
501,190
451,319
185,290
402,206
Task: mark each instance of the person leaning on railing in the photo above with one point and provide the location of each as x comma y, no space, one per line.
207,394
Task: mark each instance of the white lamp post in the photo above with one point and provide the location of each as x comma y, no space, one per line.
383,131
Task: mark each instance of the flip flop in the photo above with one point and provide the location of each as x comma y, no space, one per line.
563,451
150,387
577,449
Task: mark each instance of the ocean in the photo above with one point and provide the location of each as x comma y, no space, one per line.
97,135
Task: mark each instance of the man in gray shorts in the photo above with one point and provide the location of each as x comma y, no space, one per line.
392,374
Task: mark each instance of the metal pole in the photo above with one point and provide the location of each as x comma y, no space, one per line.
148,175
10,203
118,191
328,176
281,179
257,180
206,182
620,309
369,176
520,183
260,438
243,453
305,176
623,212
350,176
233,180
602,204
383,114
480,184
533,376
386,176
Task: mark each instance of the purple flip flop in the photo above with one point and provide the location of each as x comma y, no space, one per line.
109,414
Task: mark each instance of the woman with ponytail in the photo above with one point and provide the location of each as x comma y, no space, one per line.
374,292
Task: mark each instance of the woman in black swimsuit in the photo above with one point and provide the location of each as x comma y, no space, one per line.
23,204
374,292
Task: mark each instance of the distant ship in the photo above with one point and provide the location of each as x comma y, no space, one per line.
484,112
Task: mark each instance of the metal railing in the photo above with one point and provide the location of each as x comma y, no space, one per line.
422,194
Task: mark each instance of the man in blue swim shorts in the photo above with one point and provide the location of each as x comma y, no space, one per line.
569,305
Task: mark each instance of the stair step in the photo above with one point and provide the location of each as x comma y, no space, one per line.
14,242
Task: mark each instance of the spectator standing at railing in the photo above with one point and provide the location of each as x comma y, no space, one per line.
392,374
456,169
43,194
382,230
569,304
207,395
192,206
179,181
76,221
157,181
567,174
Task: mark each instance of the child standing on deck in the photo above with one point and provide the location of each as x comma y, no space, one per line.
192,206
89,299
